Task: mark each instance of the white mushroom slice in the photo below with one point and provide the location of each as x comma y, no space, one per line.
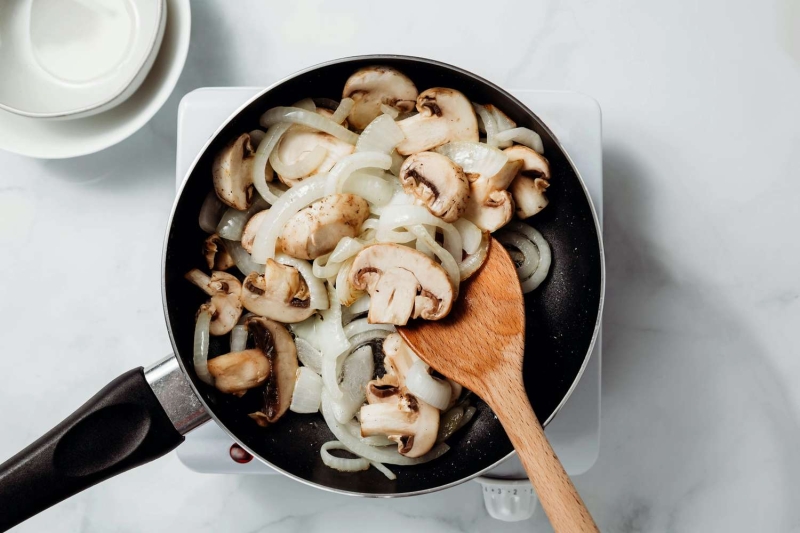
277,343
216,254
251,230
398,357
232,173
371,87
279,294
490,206
411,423
531,182
445,115
298,142
317,229
402,283
436,182
225,291
236,372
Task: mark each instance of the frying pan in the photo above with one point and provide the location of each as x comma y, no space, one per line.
144,413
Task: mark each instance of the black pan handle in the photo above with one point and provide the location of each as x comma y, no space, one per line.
126,424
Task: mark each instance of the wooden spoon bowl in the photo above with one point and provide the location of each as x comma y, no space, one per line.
481,344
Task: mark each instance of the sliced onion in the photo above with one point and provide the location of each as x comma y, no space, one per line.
316,288
256,136
362,324
301,195
376,190
530,253
308,355
260,174
349,164
471,235
231,225
389,110
503,122
380,136
244,261
326,103
359,307
421,243
397,162
381,455
307,391
420,383
374,440
324,268
524,136
346,248
211,212
300,168
307,104
343,110
489,124
544,253
448,261
357,370
335,344
381,468
448,423
311,119
201,333
340,463
238,338
473,262
310,330
469,412
395,216
475,158
346,293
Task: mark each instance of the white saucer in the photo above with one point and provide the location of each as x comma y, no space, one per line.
57,139
67,59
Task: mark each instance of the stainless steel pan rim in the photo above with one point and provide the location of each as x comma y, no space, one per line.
378,58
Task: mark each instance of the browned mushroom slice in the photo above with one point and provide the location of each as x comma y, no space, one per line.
216,254
402,417
277,343
225,291
402,283
445,115
371,87
232,173
237,372
531,182
490,205
436,182
280,293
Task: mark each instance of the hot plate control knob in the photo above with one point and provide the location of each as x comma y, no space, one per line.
509,500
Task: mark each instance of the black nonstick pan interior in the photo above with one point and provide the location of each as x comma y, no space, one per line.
561,315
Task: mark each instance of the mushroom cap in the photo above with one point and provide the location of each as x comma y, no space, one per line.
299,141
277,344
372,86
490,206
437,182
251,230
402,283
445,115
279,294
216,254
531,181
232,173
225,291
407,420
236,372
317,229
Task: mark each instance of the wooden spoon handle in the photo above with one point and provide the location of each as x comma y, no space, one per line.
560,500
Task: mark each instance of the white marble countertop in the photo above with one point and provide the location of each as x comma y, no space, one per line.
700,405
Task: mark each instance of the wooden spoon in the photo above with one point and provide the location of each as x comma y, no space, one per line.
480,344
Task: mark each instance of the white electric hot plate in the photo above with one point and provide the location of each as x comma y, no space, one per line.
574,433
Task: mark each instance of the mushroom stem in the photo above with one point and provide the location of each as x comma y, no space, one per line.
201,279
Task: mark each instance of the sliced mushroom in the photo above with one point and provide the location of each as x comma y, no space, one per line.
490,206
398,357
412,423
372,86
298,142
216,254
445,115
277,344
437,182
280,293
402,283
232,173
251,230
225,291
318,228
237,372
531,182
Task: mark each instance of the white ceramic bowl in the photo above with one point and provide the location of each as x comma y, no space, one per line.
56,139
74,58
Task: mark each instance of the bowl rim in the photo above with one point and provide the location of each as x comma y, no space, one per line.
153,44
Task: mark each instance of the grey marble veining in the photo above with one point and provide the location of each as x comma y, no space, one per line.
700,423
